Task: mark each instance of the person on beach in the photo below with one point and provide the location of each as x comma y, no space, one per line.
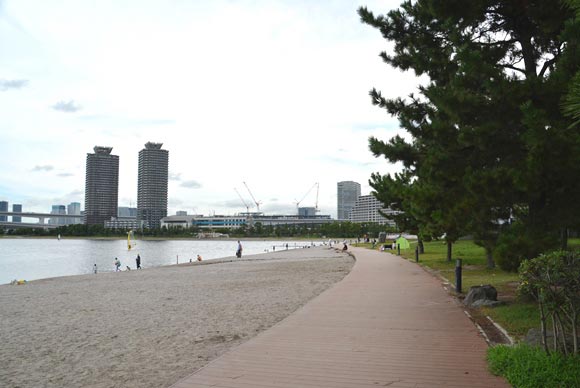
344,247
95,268
117,265
138,261
199,258
239,251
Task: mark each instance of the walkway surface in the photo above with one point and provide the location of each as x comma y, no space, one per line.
387,323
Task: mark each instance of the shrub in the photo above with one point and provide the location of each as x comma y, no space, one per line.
524,366
517,243
553,279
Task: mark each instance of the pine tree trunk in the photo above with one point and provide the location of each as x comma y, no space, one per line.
564,238
421,246
449,250
489,256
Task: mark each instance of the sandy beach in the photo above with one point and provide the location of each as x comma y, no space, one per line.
152,327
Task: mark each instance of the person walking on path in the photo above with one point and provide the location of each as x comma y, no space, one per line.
138,261
239,251
117,265
95,268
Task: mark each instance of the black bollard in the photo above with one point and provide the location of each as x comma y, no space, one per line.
458,275
399,249
416,254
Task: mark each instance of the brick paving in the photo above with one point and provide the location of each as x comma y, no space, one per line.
387,323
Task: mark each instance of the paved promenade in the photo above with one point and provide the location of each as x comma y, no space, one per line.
387,323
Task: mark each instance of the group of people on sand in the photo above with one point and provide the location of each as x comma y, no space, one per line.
117,262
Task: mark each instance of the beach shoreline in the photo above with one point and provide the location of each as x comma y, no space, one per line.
152,327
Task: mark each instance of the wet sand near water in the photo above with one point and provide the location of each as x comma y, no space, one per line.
152,327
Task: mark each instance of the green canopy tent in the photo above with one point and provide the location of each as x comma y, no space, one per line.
402,242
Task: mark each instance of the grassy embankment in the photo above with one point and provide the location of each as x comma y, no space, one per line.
517,316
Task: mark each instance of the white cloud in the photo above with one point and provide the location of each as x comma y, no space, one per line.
191,184
45,167
67,106
6,84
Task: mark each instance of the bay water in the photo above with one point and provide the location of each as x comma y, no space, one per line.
32,258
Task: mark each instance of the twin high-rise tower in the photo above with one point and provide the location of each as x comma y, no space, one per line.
102,186
152,185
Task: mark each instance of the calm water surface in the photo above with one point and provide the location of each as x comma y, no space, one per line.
29,259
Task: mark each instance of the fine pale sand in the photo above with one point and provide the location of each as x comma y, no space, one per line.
152,327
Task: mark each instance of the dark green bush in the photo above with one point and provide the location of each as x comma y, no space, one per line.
516,243
530,367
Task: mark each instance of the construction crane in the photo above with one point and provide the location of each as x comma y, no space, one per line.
244,202
316,205
305,195
252,195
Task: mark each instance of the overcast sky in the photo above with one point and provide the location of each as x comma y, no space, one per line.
271,93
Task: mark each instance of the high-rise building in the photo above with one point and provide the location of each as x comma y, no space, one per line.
73,209
57,209
366,209
347,193
101,186
16,208
152,185
3,208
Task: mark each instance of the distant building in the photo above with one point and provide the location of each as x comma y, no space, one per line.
101,186
233,222
181,213
347,193
129,223
126,219
203,222
57,209
3,208
306,212
152,185
125,211
73,209
16,208
366,209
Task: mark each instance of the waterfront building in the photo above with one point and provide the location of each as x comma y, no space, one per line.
3,208
127,212
181,213
306,212
74,209
347,193
129,223
237,221
366,209
101,186
17,208
57,209
152,185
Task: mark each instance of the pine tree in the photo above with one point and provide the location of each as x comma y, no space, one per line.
489,137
